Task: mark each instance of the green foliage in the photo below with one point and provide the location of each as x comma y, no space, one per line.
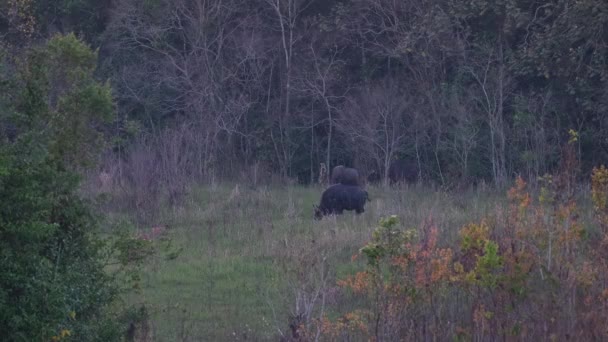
474,237
486,271
51,274
387,240
68,55
61,97
487,264
53,285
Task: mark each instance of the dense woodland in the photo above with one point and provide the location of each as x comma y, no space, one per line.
462,90
145,98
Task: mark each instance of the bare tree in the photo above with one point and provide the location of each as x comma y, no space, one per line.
204,61
319,83
418,40
465,132
535,135
491,90
374,119
286,15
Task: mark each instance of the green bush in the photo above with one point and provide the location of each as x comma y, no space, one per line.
51,269
53,283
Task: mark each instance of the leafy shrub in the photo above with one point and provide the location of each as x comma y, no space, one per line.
531,271
53,279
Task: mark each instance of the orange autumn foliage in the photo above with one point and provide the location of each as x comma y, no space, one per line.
538,263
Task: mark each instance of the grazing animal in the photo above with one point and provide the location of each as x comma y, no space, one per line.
344,175
402,170
340,197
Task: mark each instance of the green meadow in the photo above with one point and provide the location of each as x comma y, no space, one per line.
250,257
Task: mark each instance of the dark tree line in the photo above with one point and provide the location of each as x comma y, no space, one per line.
471,90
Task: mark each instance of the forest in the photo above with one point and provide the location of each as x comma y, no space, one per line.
465,91
122,118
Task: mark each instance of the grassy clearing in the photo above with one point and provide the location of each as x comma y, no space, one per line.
246,254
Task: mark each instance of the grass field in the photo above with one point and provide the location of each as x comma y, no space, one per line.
248,255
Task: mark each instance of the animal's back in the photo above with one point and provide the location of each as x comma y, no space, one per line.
402,170
348,197
339,197
345,175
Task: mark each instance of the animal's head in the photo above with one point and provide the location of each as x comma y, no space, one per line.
318,212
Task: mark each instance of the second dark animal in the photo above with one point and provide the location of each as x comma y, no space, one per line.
402,171
344,175
340,197
373,177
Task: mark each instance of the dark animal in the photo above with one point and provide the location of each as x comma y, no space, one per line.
344,175
402,171
340,197
373,177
